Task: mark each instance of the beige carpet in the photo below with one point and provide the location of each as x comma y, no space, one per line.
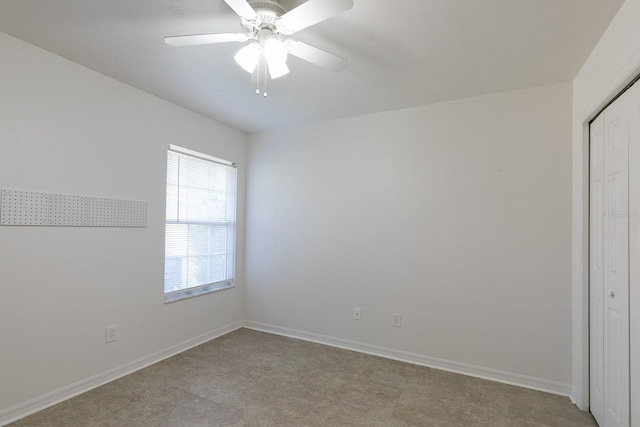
249,378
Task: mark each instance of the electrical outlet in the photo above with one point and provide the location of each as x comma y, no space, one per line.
356,313
396,320
111,334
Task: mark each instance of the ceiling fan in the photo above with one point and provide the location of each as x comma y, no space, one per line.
267,26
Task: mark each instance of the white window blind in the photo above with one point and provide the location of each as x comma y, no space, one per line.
200,224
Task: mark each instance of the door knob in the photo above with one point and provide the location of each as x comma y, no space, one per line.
612,294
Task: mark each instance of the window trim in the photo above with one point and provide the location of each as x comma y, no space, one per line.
222,285
196,291
199,155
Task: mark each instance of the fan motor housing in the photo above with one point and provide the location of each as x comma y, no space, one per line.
268,12
267,6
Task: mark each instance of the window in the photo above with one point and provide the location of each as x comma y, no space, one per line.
200,224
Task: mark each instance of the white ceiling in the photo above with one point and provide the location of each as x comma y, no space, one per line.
402,53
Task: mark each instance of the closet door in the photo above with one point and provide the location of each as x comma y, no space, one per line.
634,250
596,269
616,263
609,269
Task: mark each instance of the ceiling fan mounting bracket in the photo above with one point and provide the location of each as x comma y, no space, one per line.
268,12
267,6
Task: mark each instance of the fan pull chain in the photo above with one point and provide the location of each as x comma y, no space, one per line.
261,69
258,79
265,80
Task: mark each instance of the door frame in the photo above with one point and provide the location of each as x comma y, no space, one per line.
580,244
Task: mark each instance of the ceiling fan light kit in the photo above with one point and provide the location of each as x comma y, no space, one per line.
248,56
267,27
276,56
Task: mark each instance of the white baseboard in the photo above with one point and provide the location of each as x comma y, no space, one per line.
539,384
39,403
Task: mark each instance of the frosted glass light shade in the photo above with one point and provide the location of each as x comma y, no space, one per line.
248,56
276,55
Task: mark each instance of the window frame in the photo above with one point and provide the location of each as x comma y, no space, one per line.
231,223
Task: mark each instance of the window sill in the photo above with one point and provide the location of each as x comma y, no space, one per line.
196,292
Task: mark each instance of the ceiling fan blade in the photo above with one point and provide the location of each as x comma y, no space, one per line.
243,9
310,13
316,56
198,39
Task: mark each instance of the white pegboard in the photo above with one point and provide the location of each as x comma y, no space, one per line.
24,208
116,213
136,213
104,212
67,210
47,209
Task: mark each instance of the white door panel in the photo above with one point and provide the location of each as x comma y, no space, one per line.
609,271
596,273
634,250
616,264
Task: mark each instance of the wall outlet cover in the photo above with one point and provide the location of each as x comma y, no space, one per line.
111,334
396,320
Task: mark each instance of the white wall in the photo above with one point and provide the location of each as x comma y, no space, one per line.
611,65
66,129
456,215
